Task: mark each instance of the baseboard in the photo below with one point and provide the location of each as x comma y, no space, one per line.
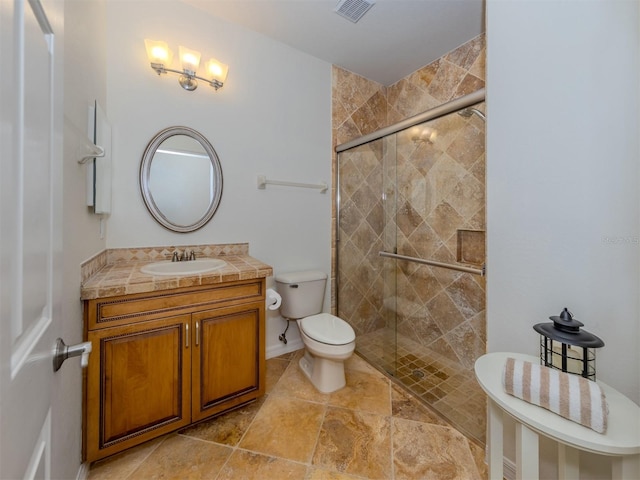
277,350
83,471
508,469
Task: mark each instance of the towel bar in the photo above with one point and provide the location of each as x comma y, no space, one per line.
263,182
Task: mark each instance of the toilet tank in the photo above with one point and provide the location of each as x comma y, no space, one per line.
302,293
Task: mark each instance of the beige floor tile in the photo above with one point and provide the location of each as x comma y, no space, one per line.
371,429
119,467
478,454
356,362
285,427
183,458
275,367
253,466
228,428
406,406
364,391
319,474
354,442
431,452
293,383
447,386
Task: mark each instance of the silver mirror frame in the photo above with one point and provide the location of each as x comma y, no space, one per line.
145,172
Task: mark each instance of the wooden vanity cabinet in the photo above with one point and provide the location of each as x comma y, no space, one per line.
137,381
166,359
225,370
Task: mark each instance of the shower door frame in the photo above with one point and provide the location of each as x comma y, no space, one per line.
459,103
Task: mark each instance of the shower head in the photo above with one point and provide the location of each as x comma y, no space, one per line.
467,112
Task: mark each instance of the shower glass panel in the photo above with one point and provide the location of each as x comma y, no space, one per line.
366,226
418,193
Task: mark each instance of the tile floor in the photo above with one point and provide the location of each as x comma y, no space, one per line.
371,429
447,386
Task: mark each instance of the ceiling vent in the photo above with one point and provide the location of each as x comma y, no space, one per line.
353,10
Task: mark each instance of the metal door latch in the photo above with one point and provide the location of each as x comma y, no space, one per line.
62,352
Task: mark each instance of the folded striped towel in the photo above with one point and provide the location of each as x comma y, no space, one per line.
568,395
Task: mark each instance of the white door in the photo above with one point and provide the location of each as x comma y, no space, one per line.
30,229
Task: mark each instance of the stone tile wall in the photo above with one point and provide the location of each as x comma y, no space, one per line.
440,190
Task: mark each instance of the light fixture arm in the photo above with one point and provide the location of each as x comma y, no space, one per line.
188,79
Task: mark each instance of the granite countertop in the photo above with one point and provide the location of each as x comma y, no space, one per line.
117,272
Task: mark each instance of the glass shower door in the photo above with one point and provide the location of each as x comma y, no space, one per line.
389,334
418,309
439,257
366,284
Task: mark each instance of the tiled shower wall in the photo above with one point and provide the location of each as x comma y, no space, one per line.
435,198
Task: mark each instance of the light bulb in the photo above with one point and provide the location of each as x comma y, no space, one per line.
217,70
190,60
158,52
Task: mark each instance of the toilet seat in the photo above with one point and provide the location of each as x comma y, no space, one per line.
328,329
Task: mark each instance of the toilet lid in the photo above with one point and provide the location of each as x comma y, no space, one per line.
327,328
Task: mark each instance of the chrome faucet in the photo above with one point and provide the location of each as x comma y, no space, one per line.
184,256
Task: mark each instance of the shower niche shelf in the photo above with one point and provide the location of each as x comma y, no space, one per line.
471,247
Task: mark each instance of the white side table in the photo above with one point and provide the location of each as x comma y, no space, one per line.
621,441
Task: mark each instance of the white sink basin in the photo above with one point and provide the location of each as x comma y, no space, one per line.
192,267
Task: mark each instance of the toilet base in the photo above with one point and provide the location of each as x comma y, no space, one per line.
325,374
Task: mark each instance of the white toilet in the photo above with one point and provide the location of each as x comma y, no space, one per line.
328,340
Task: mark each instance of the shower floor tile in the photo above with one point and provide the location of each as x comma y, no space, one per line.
447,387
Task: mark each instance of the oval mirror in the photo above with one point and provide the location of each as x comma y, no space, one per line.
181,179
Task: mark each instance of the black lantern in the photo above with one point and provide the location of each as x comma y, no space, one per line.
565,347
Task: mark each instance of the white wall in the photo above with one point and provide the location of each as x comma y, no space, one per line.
272,117
563,210
84,82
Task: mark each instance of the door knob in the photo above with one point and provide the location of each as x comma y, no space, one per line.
62,352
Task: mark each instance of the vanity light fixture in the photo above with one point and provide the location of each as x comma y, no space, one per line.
160,57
